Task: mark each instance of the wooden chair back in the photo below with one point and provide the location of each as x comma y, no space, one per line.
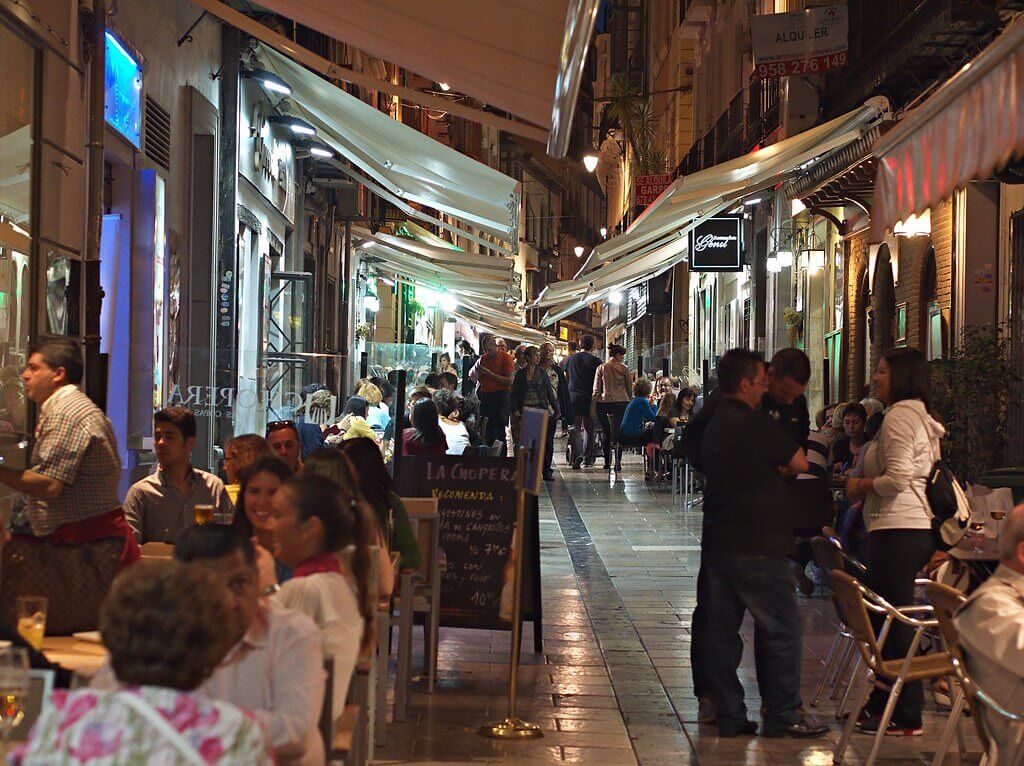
425,519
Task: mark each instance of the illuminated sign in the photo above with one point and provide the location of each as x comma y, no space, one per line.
716,245
122,101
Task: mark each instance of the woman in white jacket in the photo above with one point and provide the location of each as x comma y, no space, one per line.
896,465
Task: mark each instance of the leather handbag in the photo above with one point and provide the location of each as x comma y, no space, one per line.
74,577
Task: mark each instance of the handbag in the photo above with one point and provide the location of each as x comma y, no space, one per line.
946,500
74,577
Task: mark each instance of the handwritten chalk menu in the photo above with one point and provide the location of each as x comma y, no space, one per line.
477,507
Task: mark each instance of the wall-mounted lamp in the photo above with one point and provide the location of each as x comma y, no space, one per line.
590,161
579,250
297,126
268,80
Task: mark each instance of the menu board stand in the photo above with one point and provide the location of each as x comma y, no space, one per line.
529,461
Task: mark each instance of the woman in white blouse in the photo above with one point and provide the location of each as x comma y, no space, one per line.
455,431
896,465
313,519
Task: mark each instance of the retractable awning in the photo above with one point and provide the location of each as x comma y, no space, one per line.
657,240
966,130
524,57
402,161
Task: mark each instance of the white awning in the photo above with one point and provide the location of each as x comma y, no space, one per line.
403,161
523,56
504,328
657,240
967,129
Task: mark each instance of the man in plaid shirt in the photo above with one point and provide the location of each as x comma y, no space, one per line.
71,484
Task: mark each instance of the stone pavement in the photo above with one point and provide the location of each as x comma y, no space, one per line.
613,684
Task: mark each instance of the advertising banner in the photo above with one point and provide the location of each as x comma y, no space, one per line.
647,188
805,42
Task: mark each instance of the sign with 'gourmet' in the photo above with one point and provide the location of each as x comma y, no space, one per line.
804,42
716,244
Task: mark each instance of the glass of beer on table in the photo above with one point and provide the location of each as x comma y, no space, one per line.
203,514
14,688
32,619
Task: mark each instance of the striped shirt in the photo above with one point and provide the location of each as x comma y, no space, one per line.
74,444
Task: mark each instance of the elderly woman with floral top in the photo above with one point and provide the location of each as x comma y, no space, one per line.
163,624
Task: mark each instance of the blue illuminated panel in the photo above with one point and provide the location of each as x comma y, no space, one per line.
123,91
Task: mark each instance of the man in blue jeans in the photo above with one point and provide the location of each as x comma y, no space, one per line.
746,538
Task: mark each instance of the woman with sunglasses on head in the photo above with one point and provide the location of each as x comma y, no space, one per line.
314,519
253,511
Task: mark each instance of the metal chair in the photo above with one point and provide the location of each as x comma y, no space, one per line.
946,601
843,649
855,600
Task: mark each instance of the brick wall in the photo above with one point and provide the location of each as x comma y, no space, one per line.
856,256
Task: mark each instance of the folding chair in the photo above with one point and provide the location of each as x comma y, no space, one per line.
855,600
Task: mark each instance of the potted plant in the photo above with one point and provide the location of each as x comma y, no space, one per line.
794,324
363,331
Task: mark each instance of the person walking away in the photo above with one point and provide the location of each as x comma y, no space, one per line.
494,370
573,347
744,546
580,371
532,388
74,466
896,465
558,384
612,386
161,505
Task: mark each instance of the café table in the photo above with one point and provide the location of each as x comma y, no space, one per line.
981,559
83,658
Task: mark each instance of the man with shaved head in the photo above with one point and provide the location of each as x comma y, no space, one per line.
991,624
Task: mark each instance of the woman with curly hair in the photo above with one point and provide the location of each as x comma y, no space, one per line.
163,624
240,453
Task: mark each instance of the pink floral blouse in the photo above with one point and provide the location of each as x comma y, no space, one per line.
94,727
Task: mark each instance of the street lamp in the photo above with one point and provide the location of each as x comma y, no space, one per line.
615,298
815,260
772,264
604,232
590,160
444,86
578,250
784,258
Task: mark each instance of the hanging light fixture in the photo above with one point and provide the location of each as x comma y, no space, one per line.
815,260
590,160
784,258
772,264
604,232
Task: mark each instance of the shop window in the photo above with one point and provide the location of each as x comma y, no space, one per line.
901,325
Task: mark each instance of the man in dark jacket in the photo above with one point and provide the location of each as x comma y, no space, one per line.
580,370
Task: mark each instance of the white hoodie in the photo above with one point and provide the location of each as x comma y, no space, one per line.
899,460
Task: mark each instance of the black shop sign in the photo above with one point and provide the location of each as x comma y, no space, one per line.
716,244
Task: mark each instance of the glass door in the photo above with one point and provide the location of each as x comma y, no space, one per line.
288,329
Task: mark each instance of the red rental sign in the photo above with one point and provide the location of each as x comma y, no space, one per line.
647,188
801,66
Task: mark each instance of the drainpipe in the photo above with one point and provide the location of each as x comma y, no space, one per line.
95,377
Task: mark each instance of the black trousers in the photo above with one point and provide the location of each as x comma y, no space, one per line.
495,406
608,413
581,418
895,556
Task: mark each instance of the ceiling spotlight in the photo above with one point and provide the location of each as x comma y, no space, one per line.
752,201
604,232
590,161
297,126
444,86
268,80
578,250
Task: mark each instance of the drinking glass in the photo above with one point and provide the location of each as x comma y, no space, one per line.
976,530
203,514
223,517
997,517
14,688
32,619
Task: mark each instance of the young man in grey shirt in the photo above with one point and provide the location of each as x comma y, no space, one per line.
160,506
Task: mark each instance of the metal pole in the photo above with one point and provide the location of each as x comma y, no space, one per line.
95,384
344,307
827,382
512,727
364,365
639,365
664,366
705,371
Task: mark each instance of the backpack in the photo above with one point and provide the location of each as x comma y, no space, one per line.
946,500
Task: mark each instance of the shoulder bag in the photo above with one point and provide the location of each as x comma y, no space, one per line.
945,498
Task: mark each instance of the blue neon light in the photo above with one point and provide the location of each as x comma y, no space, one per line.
123,91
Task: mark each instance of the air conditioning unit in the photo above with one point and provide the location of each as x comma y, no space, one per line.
799,106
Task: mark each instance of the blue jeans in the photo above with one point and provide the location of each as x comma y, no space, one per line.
765,587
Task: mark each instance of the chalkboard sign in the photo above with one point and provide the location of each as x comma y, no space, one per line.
476,499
